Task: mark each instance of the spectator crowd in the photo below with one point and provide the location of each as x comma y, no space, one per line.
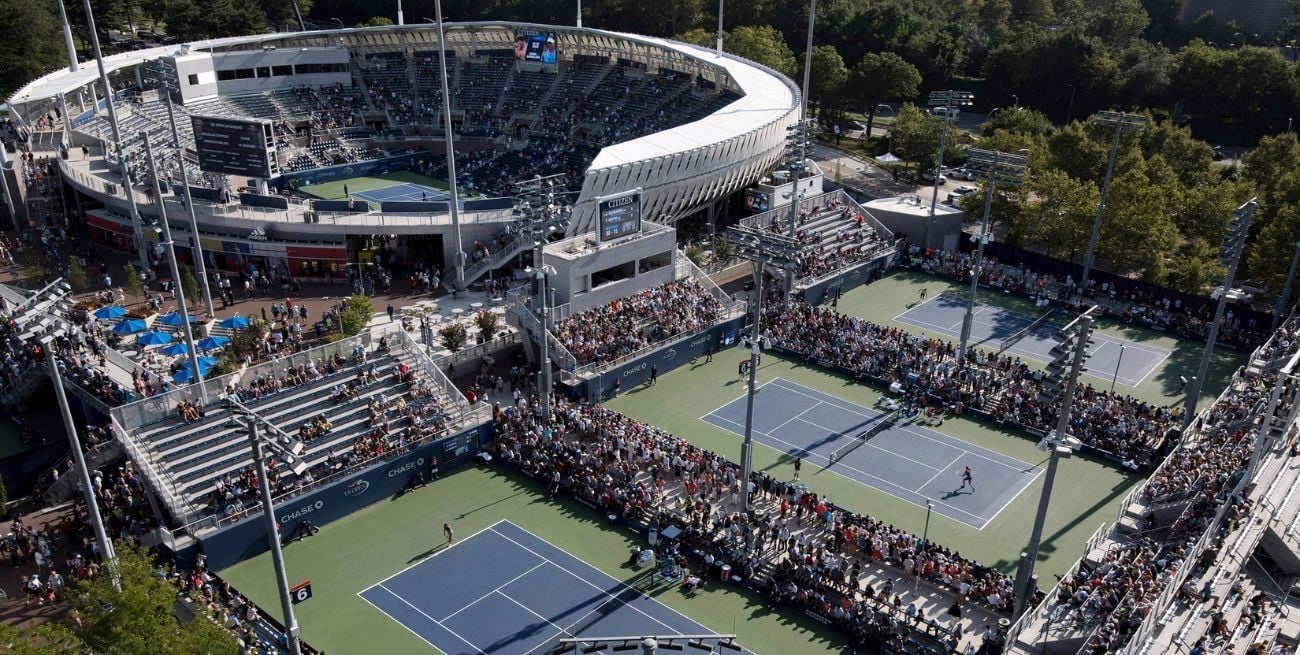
627,325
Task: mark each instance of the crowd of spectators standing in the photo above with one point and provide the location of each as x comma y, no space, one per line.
627,325
1002,385
803,550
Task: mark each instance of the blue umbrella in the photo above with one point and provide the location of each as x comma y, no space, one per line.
174,318
110,312
130,326
177,348
235,322
153,339
212,343
205,365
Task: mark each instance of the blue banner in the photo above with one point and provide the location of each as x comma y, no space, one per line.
848,280
247,538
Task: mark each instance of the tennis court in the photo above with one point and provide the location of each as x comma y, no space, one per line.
506,591
880,449
1001,329
403,192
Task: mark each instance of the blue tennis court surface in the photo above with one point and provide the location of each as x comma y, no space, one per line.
905,460
506,591
403,192
991,326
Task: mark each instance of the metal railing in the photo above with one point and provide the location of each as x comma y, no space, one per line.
414,355
1040,611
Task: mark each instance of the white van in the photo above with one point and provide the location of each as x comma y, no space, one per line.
951,113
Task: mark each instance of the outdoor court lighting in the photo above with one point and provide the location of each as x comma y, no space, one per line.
458,275
798,143
288,449
178,288
1233,242
1121,123
35,313
168,83
949,100
721,6
1078,335
539,216
996,168
761,248
807,60
142,249
73,65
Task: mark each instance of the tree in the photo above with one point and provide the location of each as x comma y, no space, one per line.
33,48
1137,231
356,314
190,287
1018,120
77,276
46,639
280,12
1268,261
487,325
453,337
376,21
829,75
880,77
762,44
138,619
131,284
1270,160
724,250
1062,217
915,136
1196,267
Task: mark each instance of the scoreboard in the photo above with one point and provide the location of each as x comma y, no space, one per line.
620,215
235,146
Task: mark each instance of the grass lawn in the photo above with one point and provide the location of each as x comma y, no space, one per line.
352,554
334,190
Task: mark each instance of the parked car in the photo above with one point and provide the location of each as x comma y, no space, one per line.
952,113
928,177
957,194
961,173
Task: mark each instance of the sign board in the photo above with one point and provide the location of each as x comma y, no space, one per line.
300,592
620,215
235,146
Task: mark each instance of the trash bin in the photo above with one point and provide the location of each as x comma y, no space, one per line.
725,573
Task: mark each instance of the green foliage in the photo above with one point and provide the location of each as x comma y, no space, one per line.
879,77
1018,120
829,76
724,250
915,136
376,21
247,342
280,12
356,315
30,51
190,287
453,337
199,19
4,499
488,324
696,254
1061,217
138,619
1196,268
762,44
130,282
77,276
30,260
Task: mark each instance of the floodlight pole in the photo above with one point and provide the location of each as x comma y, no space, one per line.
1055,441
925,539
401,20
544,318
458,278
807,60
1242,217
73,65
579,14
176,271
721,4
1284,299
751,387
79,461
291,629
123,169
200,268
1121,124
977,266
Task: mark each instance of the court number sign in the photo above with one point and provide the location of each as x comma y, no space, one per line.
300,591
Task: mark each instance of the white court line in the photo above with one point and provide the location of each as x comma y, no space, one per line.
840,465
408,568
909,429
922,303
1014,496
795,417
586,581
870,445
408,628
499,588
724,405
941,472
530,611
440,625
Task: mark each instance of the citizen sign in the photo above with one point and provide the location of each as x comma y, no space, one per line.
302,511
619,202
406,467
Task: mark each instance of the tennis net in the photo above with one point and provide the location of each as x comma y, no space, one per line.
881,424
1021,334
